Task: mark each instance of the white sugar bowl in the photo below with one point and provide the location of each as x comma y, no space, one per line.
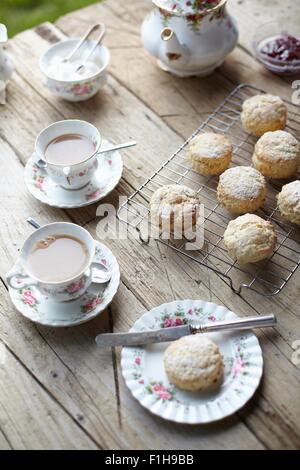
64,81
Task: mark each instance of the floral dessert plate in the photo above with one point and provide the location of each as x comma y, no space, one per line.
105,179
144,373
41,309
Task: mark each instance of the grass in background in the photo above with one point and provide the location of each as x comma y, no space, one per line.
18,15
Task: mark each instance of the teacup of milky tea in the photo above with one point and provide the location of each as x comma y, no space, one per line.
70,149
58,259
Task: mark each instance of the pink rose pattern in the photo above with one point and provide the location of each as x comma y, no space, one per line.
76,286
93,194
28,298
241,361
38,179
195,13
179,317
162,393
81,89
90,304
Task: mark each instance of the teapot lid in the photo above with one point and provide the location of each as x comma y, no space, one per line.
3,33
188,7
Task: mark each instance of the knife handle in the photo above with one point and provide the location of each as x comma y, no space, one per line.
239,324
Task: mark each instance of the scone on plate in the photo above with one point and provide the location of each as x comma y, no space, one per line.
241,189
250,239
277,155
289,202
209,153
193,363
174,208
263,113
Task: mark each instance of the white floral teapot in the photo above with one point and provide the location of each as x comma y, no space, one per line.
6,67
189,37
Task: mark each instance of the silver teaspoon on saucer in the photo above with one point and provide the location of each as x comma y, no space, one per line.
170,334
100,274
43,164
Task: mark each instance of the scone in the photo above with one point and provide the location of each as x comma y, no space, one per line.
289,202
241,189
174,208
193,363
263,113
209,153
277,155
250,239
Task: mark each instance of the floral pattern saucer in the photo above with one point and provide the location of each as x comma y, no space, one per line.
105,179
144,374
41,309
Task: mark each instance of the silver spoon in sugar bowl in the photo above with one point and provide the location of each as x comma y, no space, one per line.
43,164
95,27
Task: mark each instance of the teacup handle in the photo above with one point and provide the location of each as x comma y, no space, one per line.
99,276
67,171
16,280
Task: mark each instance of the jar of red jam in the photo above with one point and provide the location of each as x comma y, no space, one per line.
277,47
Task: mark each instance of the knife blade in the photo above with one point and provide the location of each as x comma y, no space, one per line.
139,338
107,340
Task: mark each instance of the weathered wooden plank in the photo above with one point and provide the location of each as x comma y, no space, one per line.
144,79
30,418
25,42
70,367
137,267
4,444
66,362
146,281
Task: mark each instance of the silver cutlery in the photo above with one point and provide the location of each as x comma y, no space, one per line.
100,274
93,28
43,164
139,338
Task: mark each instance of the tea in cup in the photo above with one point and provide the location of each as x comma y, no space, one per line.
70,149
58,259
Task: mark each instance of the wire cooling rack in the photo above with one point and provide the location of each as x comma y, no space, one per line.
268,277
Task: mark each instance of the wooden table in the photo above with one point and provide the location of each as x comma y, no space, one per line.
56,389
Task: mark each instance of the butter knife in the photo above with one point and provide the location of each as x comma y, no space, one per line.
139,338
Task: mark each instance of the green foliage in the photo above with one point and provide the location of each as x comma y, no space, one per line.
18,15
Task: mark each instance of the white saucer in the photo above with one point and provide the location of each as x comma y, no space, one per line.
105,179
40,309
144,373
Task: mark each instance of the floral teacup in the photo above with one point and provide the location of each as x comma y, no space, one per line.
20,277
74,176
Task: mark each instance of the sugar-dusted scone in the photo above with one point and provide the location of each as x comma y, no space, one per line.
250,239
241,189
209,153
193,363
289,202
263,113
174,207
277,155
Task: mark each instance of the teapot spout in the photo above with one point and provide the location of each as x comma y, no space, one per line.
172,51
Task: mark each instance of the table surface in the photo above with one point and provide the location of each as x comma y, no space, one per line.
56,389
